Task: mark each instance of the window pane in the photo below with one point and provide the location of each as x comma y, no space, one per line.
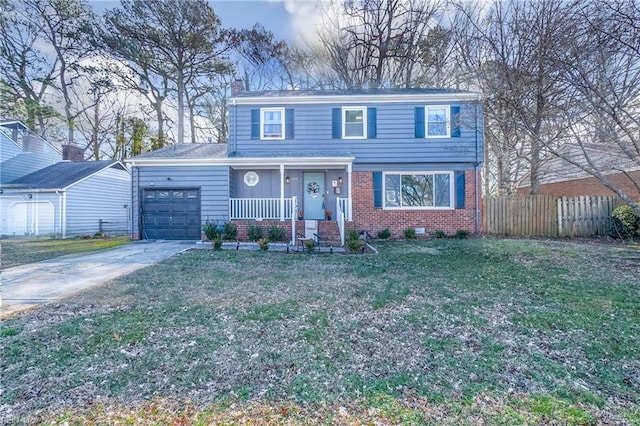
354,123
436,122
178,194
163,194
417,190
353,129
272,124
443,195
392,190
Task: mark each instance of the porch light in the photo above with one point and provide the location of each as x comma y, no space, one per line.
340,181
287,180
30,195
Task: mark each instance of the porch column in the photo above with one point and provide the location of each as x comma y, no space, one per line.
282,192
349,170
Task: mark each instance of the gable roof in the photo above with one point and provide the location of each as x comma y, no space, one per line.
354,95
62,174
186,151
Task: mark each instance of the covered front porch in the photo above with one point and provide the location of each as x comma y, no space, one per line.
283,189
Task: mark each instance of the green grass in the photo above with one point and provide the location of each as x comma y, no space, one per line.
20,251
443,332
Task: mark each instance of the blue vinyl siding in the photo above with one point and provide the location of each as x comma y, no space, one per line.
213,182
395,139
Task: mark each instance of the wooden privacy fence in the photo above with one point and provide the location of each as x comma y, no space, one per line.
548,216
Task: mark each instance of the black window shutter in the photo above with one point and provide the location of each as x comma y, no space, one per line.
460,190
377,189
419,122
371,123
455,121
255,124
336,120
288,123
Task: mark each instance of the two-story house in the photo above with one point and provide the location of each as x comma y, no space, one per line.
368,159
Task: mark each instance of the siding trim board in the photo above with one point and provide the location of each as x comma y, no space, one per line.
353,100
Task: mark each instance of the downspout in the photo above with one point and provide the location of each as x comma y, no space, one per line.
59,211
475,170
133,188
64,214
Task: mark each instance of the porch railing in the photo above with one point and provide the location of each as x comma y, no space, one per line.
344,204
261,208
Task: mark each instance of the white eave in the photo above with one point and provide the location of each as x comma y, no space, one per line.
356,98
242,161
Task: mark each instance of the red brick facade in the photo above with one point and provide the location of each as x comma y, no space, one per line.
590,186
367,217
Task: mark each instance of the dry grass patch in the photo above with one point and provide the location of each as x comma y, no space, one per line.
446,331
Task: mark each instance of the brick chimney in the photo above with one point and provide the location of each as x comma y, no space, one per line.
237,86
72,153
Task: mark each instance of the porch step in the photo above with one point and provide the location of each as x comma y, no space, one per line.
329,233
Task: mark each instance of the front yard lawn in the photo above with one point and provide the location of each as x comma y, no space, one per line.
20,251
445,332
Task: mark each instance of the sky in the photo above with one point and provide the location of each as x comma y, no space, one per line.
291,20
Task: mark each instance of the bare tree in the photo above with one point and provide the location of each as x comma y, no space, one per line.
377,42
603,106
509,51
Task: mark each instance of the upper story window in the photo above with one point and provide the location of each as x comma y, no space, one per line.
437,121
354,123
272,123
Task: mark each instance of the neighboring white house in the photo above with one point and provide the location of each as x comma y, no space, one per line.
68,198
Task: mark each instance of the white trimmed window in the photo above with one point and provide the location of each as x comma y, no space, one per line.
272,123
437,121
354,122
418,190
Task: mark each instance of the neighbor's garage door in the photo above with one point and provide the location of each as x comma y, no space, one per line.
171,214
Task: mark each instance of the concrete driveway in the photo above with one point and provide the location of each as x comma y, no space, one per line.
29,285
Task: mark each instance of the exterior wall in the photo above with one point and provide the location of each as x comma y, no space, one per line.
269,185
104,196
213,182
395,140
368,218
8,148
23,164
590,186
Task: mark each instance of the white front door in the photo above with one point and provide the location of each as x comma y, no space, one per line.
313,196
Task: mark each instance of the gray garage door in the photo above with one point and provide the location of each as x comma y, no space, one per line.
171,214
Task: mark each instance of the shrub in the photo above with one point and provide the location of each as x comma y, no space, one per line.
462,234
263,243
277,233
384,234
210,230
352,234
626,222
410,233
217,242
254,232
309,245
355,245
229,231
439,233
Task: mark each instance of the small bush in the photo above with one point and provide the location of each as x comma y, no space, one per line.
410,233
309,245
263,243
217,242
210,230
462,234
626,223
355,245
384,234
352,234
277,233
439,233
255,232
229,231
